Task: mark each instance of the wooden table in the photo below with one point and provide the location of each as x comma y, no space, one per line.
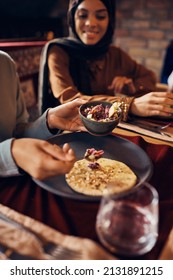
124,132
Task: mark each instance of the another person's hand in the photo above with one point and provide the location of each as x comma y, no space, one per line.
122,85
66,116
41,159
153,104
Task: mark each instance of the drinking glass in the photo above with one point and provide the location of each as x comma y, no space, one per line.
128,224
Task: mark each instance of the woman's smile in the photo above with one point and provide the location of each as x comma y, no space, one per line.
90,35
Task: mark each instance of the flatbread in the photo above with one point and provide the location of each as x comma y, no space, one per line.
94,182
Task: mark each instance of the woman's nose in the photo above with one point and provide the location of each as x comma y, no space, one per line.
91,21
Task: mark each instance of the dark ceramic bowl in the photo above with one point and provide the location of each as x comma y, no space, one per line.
96,127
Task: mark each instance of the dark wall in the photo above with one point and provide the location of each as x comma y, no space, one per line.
27,8
30,19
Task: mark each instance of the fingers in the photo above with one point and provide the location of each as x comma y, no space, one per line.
164,99
69,153
53,150
153,104
66,147
161,94
76,102
41,159
52,167
62,164
52,161
64,154
125,84
163,110
119,83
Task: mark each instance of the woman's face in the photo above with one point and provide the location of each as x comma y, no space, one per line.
91,21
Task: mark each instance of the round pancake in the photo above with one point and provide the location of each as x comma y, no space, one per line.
94,182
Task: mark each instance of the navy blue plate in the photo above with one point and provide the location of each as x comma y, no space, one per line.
114,147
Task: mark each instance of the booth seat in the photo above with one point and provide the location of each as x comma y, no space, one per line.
27,58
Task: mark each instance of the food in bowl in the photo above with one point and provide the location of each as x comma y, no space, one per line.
100,118
100,113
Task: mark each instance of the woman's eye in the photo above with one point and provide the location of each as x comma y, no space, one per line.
100,17
82,16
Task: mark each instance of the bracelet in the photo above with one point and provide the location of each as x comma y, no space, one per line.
124,103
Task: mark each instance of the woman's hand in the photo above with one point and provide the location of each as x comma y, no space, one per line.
66,116
122,85
41,159
153,104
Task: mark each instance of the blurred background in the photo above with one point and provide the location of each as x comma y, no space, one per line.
144,28
31,19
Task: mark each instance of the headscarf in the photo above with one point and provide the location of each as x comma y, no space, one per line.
78,53
92,51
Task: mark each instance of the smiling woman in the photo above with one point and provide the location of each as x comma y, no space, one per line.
86,64
97,15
